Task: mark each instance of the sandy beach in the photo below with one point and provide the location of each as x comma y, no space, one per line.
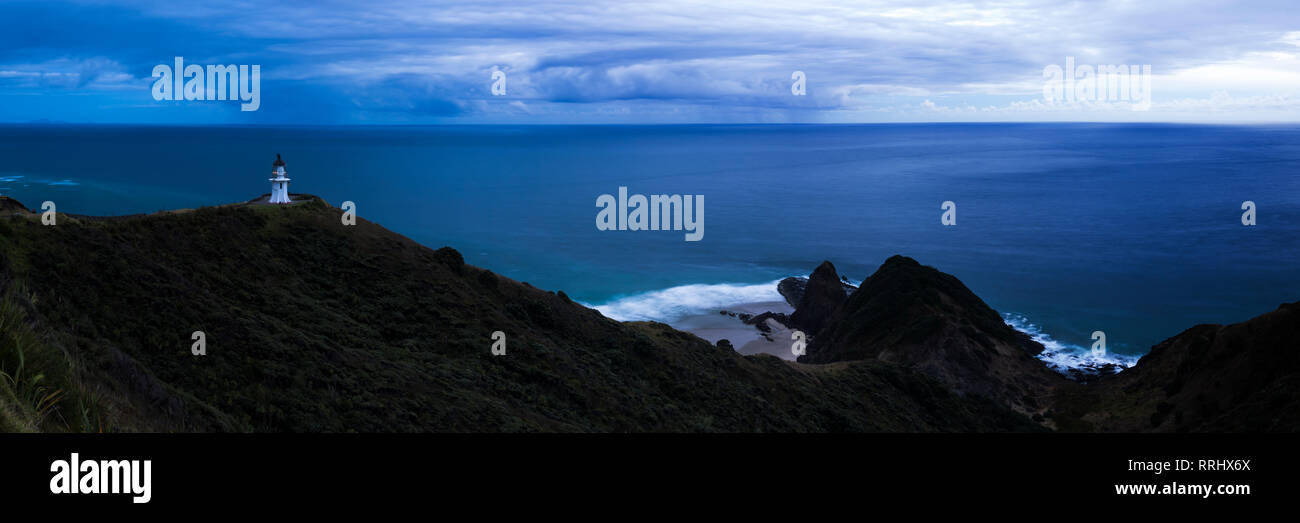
747,339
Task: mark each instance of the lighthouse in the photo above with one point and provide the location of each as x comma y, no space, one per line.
280,182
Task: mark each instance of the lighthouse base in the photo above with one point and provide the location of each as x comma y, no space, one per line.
280,191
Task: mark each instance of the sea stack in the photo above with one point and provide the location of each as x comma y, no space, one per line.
280,182
822,296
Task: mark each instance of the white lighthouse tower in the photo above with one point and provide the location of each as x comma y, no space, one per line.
280,182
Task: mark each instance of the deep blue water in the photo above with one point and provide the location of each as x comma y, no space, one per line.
1133,230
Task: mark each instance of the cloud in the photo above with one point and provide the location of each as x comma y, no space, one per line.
93,73
424,61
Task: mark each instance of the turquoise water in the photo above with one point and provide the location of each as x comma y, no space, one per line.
1134,230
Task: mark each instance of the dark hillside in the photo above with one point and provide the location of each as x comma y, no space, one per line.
313,326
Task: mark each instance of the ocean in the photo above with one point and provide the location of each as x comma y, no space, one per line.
1134,230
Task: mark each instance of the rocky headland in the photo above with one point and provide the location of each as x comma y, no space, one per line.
313,326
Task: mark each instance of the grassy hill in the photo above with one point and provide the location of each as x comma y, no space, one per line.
314,326
1243,377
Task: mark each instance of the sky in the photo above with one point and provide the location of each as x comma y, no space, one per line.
583,61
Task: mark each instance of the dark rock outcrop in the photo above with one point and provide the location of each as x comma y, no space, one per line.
792,289
823,294
760,320
918,317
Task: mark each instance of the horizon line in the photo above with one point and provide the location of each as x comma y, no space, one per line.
649,124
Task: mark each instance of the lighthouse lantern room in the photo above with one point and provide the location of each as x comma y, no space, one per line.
280,182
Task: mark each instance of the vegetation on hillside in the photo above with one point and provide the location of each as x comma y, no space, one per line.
315,326
39,389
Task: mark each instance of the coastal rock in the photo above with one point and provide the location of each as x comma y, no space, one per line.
918,317
760,320
792,289
823,294
780,317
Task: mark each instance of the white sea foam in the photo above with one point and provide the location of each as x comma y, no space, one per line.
674,303
1062,357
